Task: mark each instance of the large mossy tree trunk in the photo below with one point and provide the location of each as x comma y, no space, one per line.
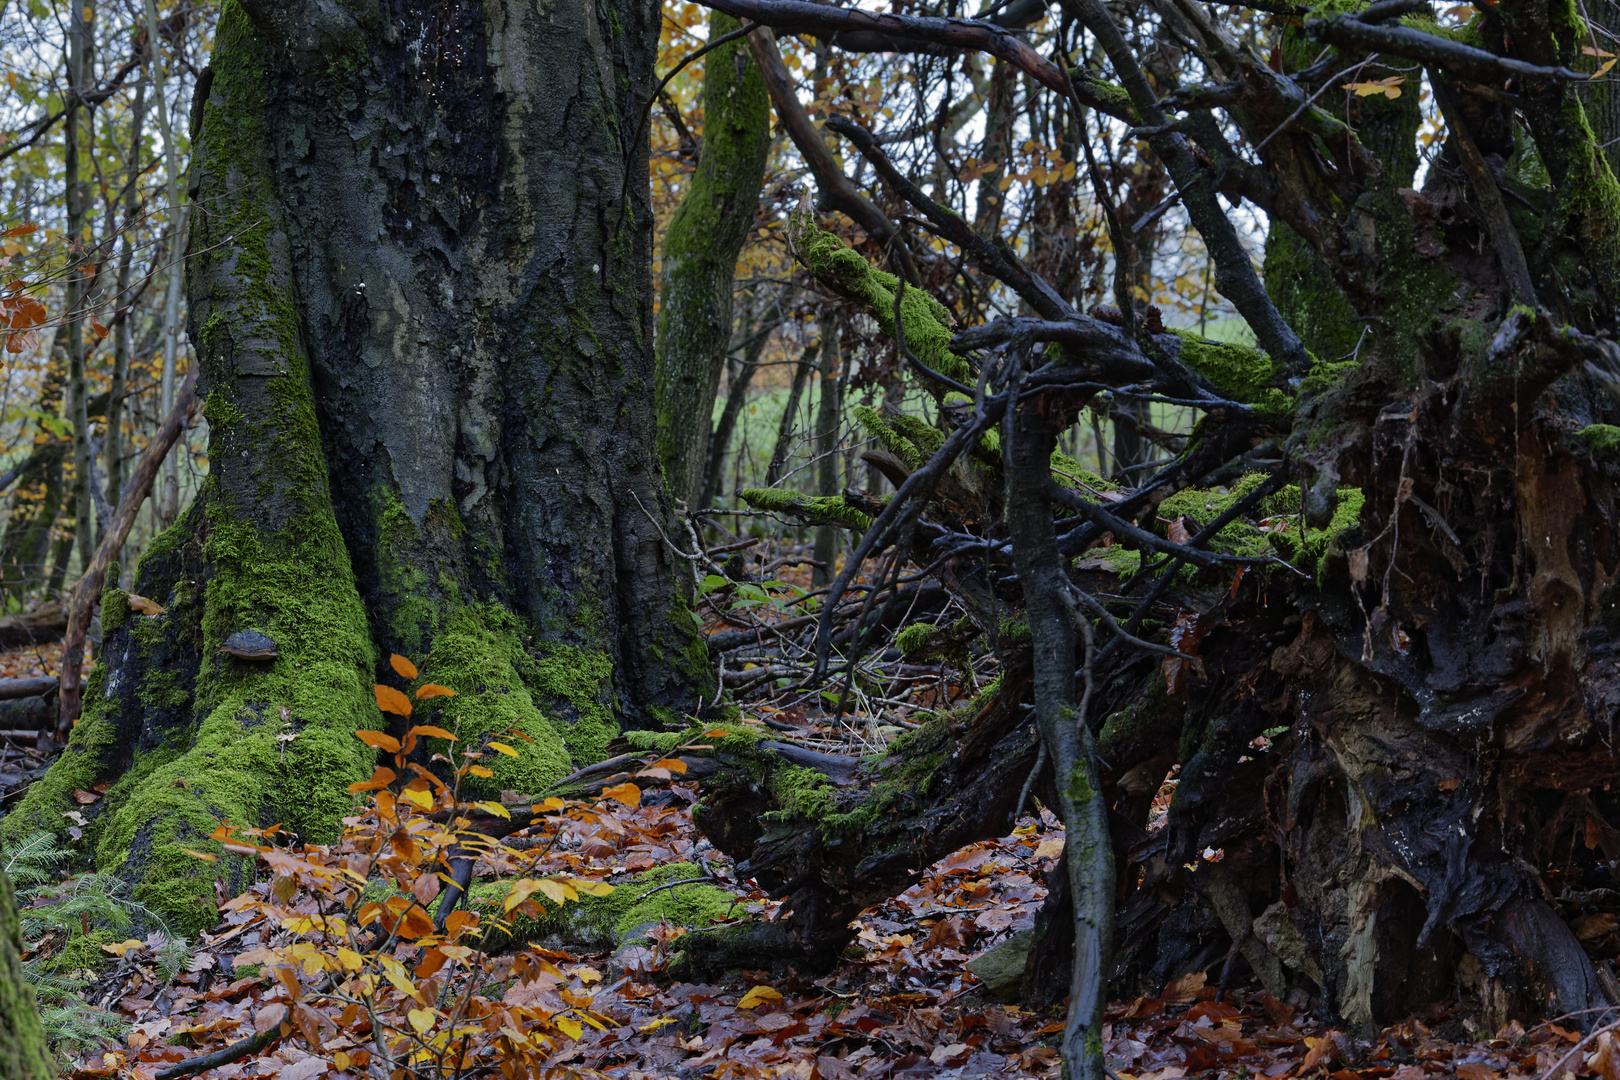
1396,757
699,257
24,1054
423,311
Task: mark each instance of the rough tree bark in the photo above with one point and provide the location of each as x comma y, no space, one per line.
699,257
422,308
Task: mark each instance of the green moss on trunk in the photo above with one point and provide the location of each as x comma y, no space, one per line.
24,1054
701,245
479,654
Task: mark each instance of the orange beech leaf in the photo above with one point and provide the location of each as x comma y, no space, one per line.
674,765
380,739
391,700
406,669
432,732
626,793
432,690
379,780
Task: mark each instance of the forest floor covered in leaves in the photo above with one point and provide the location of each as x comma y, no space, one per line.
906,1006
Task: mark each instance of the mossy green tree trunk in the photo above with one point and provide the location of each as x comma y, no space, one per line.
422,303
699,257
24,1054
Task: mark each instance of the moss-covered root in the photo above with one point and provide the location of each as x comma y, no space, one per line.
24,1054
927,322
666,894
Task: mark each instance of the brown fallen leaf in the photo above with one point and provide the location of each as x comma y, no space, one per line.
269,1016
1184,991
142,606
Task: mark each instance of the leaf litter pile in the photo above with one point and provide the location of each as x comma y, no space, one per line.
331,964
906,1007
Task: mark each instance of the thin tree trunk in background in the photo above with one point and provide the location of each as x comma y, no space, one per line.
1031,436
167,504
785,429
737,397
829,415
62,550
121,341
79,133
89,588
997,148
700,250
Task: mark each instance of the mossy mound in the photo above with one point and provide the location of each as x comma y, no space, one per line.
606,922
478,654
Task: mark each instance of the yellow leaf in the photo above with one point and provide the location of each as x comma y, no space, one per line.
394,972
122,947
626,793
1604,70
380,739
406,669
422,1020
592,888
757,995
571,1028
350,959
493,808
502,748
558,891
421,799
654,1025
521,890
481,770
203,855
